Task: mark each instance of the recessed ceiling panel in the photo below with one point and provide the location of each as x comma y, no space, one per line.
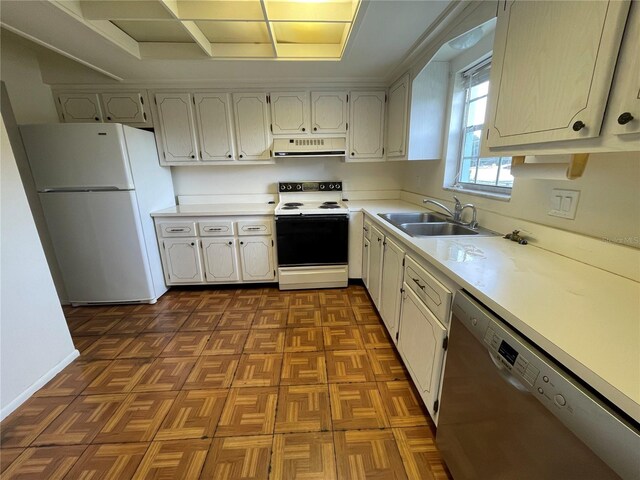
124,9
301,11
154,31
308,33
235,32
220,10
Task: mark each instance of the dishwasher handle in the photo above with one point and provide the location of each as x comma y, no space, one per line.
506,375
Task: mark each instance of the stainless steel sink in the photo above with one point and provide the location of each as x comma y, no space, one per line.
435,229
398,219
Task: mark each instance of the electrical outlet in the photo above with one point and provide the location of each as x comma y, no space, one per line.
563,203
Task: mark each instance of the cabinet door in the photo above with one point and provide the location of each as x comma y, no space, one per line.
366,249
623,112
375,265
215,131
220,260
552,68
256,256
80,107
176,127
124,107
329,112
366,116
290,112
392,272
182,260
420,343
397,119
251,115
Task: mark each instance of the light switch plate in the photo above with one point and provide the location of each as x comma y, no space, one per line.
563,203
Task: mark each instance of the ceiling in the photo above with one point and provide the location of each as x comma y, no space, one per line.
164,41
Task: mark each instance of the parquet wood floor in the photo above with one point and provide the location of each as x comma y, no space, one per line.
230,384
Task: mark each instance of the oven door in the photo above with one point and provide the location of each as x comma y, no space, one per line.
312,240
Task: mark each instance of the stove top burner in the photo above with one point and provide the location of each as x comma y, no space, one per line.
330,203
293,204
290,207
325,206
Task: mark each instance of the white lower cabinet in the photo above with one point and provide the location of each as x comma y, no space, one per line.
256,257
421,343
220,259
390,285
182,260
366,248
375,265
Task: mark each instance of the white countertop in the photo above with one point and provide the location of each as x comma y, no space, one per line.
216,209
586,318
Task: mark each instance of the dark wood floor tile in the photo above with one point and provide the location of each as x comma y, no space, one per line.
334,298
359,298
194,414
304,339
44,462
71,311
83,343
108,347
96,325
239,458
366,314
186,344
402,404
73,379
303,368
226,342
23,426
201,322
108,461
7,456
212,372
357,406
117,310
303,456
146,345
258,370
337,316
132,324
76,322
165,374
375,336
235,320
306,299
304,317
137,419
271,318
120,376
215,304
421,458
248,411
179,459
386,365
81,421
303,408
265,341
244,303
167,322
275,301
342,338
182,305
348,366
368,454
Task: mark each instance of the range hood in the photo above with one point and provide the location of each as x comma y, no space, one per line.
310,147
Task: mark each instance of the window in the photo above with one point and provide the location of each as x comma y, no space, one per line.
475,173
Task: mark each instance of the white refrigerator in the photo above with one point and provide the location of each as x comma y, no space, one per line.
98,183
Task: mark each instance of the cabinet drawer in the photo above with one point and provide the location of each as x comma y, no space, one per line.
433,293
254,227
215,229
367,230
177,229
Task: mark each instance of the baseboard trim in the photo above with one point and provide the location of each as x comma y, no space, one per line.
37,385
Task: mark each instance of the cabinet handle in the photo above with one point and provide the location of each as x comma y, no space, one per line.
241,156
365,229
379,240
228,156
252,228
230,243
177,229
97,119
418,283
625,118
315,129
192,244
108,118
193,156
304,129
352,154
241,243
579,125
366,246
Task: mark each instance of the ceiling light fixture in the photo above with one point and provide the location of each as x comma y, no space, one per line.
467,39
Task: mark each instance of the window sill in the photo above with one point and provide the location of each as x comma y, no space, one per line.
478,193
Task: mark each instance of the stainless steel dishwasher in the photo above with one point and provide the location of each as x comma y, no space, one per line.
508,411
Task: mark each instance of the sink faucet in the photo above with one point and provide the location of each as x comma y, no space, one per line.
456,215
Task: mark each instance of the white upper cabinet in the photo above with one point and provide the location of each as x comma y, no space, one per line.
290,112
178,139
215,126
329,112
366,116
551,72
80,107
397,116
124,107
253,136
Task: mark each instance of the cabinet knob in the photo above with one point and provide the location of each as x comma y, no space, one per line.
192,244
352,154
193,156
315,129
625,118
241,156
241,243
230,243
97,119
108,118
229,156
304,129
579,125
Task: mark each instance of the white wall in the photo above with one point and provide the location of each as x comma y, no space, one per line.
263,178
34,337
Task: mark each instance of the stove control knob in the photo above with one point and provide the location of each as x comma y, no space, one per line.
338,187
298,187
322,187
288,187
283,187
331,186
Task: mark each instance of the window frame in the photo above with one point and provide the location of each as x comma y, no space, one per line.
467,85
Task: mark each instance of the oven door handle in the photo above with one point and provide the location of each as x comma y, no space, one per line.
506,375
